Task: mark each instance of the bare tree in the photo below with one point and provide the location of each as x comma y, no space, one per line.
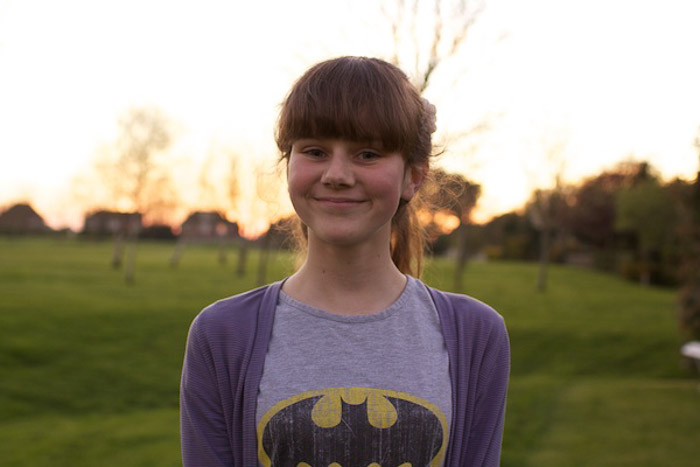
207,200
233,191
137,181
143,181
218,192
547,207
232,184
546,210
457,195
268,192
426,34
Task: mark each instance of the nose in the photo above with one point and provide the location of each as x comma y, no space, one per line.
339,172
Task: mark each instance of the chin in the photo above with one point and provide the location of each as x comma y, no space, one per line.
346,238
340,240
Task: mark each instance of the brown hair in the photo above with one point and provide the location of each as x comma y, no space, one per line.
364,99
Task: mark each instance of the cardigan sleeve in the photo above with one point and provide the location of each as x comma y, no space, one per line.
477,344
203,427
486,432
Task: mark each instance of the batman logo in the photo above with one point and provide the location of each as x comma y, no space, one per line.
352,427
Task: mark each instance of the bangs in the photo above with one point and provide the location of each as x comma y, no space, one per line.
356,99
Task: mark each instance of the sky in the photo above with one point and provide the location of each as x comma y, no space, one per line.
556,86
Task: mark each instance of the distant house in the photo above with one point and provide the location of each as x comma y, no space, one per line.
104,223
157,232
584,259
279,235
208,225
22,219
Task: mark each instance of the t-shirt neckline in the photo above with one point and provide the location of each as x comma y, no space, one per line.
364,318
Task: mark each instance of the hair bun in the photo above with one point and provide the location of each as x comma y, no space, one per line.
429,116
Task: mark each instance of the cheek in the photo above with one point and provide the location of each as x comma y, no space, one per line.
297,178
297,186
390,185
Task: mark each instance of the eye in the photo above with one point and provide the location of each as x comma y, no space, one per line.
368,156
314,153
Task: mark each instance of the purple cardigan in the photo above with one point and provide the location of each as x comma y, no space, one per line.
224,359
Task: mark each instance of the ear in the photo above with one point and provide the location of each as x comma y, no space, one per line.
413,179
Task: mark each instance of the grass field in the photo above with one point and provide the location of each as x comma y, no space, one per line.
89,367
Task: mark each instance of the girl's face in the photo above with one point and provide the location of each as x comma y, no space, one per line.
347,192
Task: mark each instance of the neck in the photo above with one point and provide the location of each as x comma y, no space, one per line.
352,280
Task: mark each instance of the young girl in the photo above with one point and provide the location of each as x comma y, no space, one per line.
351,361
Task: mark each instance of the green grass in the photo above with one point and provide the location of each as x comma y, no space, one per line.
89,367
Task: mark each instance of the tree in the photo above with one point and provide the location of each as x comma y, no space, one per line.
137,181
219,189
233,193
547,210
457,195
547,207
426,34
689,295
511,236
648,212
593,207
268,194
141,182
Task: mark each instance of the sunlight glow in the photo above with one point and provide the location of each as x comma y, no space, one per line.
615,79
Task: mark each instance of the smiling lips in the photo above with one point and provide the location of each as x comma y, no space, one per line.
337,201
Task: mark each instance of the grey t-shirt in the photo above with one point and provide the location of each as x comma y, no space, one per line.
355,389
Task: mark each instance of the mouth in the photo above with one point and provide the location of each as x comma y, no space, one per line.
336,201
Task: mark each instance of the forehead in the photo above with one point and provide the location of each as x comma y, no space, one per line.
341,110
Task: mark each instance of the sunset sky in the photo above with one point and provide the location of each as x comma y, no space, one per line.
603,80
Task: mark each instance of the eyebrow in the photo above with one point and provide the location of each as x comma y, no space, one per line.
373,144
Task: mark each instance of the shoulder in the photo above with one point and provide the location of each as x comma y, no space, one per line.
238,314
464,315
475,335
464,306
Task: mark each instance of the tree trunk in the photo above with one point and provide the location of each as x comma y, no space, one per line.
545,242
131,260
118,251
222,250
689,293
242,257
645,269
132,237
689,296
178,252
264,257
462,254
